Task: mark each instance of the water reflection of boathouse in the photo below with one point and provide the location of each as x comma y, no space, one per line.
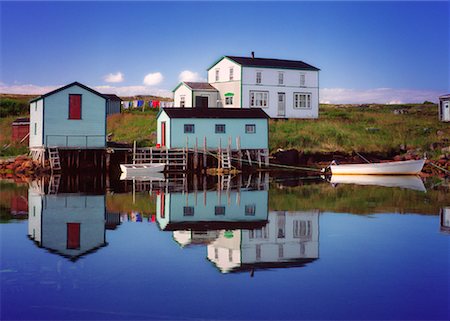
212,210
68,224
290,239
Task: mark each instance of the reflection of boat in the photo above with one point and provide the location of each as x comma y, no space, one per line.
152,177
402,181
411,167
141,169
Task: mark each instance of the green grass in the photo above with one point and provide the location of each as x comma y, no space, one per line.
134,126
369,129
356,199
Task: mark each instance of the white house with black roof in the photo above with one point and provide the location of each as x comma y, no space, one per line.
282,88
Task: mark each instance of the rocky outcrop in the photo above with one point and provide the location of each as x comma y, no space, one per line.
21,166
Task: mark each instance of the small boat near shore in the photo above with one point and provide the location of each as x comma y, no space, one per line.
411,182
149,177
411,167
141,169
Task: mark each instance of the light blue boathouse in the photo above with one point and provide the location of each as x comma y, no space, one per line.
73,116
213,128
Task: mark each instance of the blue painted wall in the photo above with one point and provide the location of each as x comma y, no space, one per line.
89,131
205,127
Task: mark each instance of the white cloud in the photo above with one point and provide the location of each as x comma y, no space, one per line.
115,78
376,95
26,89
153,79
105,89
187,75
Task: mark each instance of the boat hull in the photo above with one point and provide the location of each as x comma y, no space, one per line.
141,169
404,181
412,167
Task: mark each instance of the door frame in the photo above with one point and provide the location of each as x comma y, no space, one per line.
163,134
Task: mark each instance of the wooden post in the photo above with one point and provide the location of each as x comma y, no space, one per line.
249,157
239,152
134,153
205,158
219,154
196,154
259,158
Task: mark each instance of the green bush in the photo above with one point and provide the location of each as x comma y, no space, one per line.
13,107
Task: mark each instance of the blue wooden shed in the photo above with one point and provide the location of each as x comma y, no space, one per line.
73,116
214,127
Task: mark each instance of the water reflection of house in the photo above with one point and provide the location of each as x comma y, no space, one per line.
212,210
289,239
71,225
188,237
445,219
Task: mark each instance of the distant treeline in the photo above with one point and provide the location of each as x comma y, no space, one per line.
13,107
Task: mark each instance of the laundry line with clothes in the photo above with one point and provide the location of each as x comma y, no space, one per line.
139,103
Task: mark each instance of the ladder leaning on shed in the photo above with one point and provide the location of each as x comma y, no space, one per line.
53,155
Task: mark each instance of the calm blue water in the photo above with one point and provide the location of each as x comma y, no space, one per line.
332,266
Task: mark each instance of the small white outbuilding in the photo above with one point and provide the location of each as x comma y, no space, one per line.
444,108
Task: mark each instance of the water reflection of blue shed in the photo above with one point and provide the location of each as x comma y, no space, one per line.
212,210
71,225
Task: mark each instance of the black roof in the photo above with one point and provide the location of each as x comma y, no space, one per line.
215,225
76,83
200,86
273,63
112,97
215,112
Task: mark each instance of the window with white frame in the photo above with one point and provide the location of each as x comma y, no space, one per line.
229,100
302,100
302,229
280,78
217,74
258,77
189,128
231,73
302,79
250,128
259,98
220,128
182,101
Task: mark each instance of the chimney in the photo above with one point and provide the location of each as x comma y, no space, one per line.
253,55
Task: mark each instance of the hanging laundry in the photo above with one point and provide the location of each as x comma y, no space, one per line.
140,103
149,103
135,103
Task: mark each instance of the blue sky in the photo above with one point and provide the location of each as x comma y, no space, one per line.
367,51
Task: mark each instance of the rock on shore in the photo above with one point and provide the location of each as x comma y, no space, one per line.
21,165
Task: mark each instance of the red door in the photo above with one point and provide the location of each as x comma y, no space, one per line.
163,134
74,106
73,236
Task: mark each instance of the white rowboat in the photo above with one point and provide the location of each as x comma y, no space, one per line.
149,177
404,181
411,167
141,169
